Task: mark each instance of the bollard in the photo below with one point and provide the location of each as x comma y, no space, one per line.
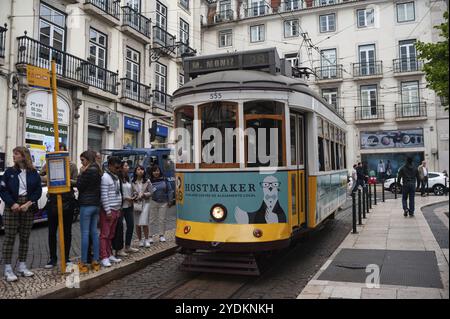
375,193
359,207
354,213
382,193
395,187
367,200
428,189
370,196
364,201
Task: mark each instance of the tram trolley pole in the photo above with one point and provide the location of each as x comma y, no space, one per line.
354,231
375,193
359,207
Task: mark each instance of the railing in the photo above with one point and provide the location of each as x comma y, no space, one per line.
256,11
135,91
407,65
162,37
368,68
413,109
135,20
375,112
329,72
68,66
184,49
111,7
292,5
3,41
161,100
222,16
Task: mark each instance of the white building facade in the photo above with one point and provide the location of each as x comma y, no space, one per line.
117,64
363,60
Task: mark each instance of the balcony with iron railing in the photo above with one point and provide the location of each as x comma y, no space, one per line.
184,50
329,73
368,69
407,65
162,101
100,7
133,91
367,114
2,43
163,38
411,111
223,16
135,24
293,5
69,68
256,11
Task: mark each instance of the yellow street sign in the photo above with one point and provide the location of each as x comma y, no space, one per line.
38,76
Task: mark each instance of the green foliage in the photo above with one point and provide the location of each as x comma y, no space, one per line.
436,57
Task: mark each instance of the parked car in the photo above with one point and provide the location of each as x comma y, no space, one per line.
436,183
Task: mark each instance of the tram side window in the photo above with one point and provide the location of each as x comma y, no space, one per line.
265,134
184,121
321,155
219,121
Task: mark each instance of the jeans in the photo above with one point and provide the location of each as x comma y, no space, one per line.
408,190
88,225
128,215
357,183
423,185
52,231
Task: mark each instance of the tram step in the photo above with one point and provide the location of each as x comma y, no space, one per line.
221,263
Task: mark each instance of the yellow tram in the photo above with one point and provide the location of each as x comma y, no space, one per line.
260,157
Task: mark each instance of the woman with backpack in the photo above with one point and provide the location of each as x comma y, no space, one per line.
161,200
141,193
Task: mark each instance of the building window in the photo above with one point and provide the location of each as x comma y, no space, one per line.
225,38
257,33
367,65
291,28
291,5
410,98
292,58
408,57
180,79
368,102
184,4
97,54
328,23
161,16
184,31
52,25
366,17
331,96
160,83
405,12
328,61
132,72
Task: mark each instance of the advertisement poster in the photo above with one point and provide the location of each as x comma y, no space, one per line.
37,154
331,193
249,198
392,139
42,133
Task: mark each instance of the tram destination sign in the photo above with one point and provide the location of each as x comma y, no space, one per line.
267,59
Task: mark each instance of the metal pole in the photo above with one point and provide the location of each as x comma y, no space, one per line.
395,187
58,196
370,196
354,213
367,199
364,200
375,193
428,189
445,187
359,207
382,192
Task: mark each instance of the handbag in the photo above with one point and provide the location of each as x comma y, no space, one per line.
138,206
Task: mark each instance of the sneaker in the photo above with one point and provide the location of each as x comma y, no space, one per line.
82,268
115,260
25,272
10,276
411,214
105,262
69,267
162,238
131,250
50,264
95,266
121,253
405,212
142,243
148,243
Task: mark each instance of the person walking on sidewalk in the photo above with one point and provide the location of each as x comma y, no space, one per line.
20,189
359,177
409,174
127,214
88,185
111,198
69,205
142,190
161,200
423,177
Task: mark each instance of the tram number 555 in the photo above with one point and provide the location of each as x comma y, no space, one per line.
215,96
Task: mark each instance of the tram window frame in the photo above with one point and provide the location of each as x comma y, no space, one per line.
293,132
276,116
301,135
235,164
178,112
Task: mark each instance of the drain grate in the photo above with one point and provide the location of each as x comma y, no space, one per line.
397,267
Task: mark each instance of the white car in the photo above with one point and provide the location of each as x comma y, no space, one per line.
437,183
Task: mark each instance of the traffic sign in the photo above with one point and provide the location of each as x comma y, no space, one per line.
38,76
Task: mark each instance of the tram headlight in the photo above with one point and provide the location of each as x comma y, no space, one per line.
218,212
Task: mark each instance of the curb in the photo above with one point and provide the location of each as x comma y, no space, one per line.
434,204
90,284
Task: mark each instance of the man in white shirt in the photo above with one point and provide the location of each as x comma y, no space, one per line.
423,177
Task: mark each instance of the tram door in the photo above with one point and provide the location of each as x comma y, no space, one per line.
297,177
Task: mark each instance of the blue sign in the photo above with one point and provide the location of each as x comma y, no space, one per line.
132,124
162,131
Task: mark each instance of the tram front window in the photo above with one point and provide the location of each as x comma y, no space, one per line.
184,121
265,133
